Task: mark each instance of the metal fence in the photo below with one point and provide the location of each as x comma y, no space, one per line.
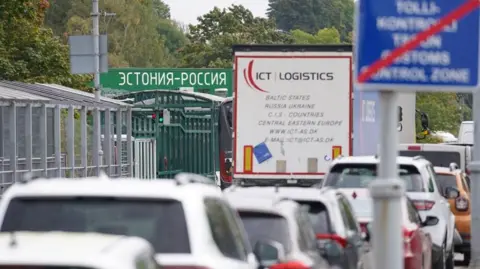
48,130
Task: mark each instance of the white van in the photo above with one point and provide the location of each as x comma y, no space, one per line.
441,155
465,134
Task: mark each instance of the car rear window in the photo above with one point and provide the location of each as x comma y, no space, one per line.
319,217
265,226
162,222
444,181
437,158
356,176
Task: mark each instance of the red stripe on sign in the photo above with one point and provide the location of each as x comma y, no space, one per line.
456,14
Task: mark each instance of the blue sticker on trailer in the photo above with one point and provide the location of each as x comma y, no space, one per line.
446,60
262,153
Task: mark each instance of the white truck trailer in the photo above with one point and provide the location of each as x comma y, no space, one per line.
292,112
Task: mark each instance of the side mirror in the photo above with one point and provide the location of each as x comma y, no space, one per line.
269,252
430,221
451,193
368,233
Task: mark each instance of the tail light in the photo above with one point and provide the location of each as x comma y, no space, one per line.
417,148
332,244
467,171
407,242
461,204
363,227
289,265
225,168
423,205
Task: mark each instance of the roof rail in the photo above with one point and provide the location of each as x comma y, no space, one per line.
28,177
282,199
188,178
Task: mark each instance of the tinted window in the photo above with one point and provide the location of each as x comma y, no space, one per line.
227,239
360,176
350,217
437,158
444,181
306,234
263,226
318,215
162,222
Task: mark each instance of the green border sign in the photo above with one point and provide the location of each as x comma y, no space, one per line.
139,79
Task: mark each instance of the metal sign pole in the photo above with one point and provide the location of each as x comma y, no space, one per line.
474,167
387,190
97,125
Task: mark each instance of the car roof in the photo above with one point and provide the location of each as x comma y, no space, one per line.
73,249
374,159
324,195
261,204
133,188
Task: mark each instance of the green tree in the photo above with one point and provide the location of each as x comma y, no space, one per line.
313,15
35,55
212,39
141,33
323,36
443,109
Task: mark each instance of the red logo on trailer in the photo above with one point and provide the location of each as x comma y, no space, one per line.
248,75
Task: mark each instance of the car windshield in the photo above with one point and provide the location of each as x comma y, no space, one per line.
319,217
162,222
360,175
437,158
264,226
444,181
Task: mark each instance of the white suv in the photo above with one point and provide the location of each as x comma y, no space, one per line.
59,250
353,173
190,224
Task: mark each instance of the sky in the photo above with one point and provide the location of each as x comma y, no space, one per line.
187,11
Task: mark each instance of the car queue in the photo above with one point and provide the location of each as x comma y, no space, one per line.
189,223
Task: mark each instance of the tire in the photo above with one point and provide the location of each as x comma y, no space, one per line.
441,263
450,262
466,259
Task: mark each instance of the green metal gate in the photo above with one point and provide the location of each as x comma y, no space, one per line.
188,142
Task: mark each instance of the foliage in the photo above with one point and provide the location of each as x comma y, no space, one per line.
140,34
444,111
212,39
323,36
313,15
35,55
428,139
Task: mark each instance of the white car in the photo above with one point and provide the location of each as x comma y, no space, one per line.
284,222
353,173
341,238
59,250
188,222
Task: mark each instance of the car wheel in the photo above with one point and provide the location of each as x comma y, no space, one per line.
442,260
450,262
466,259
